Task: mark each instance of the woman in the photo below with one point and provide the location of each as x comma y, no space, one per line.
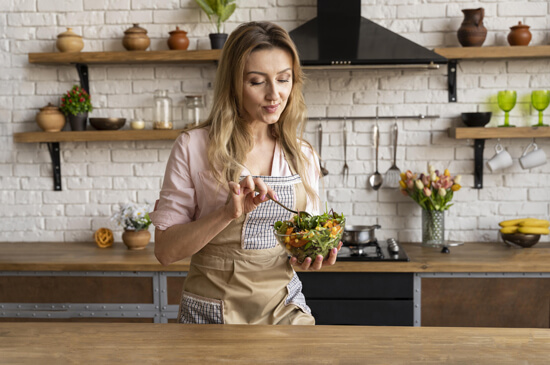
214,203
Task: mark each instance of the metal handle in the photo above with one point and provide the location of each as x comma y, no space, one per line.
376,141
345,140
320,140
394,143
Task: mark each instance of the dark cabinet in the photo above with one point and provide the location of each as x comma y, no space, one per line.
376,299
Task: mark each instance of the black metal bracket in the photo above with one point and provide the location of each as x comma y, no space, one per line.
451,80
479,145
53,147
82,70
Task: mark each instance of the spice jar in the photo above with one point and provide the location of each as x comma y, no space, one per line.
50,119
136,39
178,40
519,35
194,107
69,41
162,110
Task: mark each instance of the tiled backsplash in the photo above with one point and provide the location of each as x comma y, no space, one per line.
99,175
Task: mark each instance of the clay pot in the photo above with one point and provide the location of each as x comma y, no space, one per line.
136,39
69,41
472,32
50,119
136,240
519,35
178,40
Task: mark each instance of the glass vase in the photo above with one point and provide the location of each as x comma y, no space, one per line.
433,228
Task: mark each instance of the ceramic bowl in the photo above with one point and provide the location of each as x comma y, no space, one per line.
476,119
520,239
107,123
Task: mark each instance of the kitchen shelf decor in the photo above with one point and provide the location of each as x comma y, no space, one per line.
53,139
454,54
479,135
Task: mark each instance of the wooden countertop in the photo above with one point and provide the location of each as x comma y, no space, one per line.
86,256
116,343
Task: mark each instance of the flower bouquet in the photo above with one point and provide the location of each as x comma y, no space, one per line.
433,192
135,220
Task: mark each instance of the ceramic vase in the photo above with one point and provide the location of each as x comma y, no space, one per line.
472,32
178,40
136,240
433,228
69,41
78,122
136,39
519,35
217,40
50,119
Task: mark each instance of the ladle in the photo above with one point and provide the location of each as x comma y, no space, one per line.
375,180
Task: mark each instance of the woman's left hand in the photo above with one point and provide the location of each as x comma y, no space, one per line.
319,262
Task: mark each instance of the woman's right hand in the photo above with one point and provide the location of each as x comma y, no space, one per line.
243,198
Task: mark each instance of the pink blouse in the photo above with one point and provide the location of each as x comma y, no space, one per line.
189,190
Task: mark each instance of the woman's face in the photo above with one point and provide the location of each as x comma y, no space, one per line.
267,82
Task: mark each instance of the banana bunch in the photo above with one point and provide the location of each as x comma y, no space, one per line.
525,226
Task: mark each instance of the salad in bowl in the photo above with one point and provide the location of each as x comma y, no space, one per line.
308,236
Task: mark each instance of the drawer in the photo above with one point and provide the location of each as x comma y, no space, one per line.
362,312
330,285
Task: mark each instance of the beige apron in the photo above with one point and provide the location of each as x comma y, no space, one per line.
243,276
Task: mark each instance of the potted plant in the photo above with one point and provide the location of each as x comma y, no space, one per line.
218,11
76,104
135,220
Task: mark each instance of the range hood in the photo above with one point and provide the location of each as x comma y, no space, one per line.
340,37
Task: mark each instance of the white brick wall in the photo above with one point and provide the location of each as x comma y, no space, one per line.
98,176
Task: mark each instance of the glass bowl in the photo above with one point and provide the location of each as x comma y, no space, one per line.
311,243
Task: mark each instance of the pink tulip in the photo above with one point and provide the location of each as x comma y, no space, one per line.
409,174
426,180
427,192
436,184
410,184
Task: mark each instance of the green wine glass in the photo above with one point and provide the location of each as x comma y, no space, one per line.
540,100
506,102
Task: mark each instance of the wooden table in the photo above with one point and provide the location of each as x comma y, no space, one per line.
91,343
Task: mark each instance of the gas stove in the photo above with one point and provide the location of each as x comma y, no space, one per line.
389,250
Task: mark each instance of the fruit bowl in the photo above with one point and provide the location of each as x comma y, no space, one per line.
310,237
520,239
476,119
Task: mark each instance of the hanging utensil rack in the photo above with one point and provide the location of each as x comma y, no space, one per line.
392,117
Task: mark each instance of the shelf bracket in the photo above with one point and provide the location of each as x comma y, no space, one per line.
82,70
479,145
53,147
451,80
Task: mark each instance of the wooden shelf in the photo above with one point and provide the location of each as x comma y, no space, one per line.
480,53
486,133
92,136
126,57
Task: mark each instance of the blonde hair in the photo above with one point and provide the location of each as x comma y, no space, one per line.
230,139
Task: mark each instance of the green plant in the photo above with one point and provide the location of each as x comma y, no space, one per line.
218,11
75,101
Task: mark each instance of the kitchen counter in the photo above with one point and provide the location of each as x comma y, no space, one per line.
104,343
86,256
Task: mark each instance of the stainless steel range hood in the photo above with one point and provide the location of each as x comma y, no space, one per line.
339,37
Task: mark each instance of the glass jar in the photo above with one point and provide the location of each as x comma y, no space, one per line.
194,107
162,112
433,228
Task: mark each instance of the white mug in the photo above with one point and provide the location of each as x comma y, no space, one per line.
500,160
534,158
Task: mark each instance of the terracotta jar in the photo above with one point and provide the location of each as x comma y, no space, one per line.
178,39
472,32
69,41
136,39
50,119
136,240
519,35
